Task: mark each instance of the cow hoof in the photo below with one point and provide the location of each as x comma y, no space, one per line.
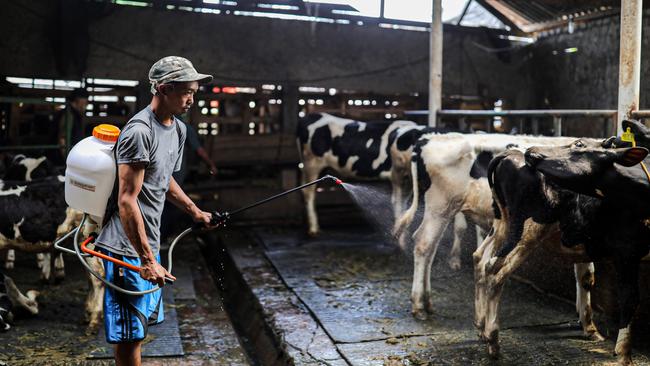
595,336
420,314
9,265
430,309
454,264
58,278
31,305
493,350
313,234
625,361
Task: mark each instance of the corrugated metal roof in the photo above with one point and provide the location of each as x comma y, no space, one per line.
532,16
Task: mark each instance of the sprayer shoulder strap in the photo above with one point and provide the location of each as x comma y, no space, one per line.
111,205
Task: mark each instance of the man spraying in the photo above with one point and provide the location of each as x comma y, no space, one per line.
148,151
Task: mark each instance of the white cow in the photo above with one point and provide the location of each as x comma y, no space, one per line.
450,171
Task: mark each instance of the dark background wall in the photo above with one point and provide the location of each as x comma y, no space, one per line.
72,38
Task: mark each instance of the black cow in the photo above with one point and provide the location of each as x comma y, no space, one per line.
22,168
532,210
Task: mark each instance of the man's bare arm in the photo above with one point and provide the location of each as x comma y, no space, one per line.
131,178
206,158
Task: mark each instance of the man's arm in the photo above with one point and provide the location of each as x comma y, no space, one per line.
131,177
176,195
200,151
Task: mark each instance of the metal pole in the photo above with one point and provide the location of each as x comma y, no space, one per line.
435,58
629,69
535,126
557,126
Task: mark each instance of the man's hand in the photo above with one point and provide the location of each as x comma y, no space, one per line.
153,272
213,169
205,218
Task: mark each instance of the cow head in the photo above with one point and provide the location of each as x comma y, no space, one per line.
586,166
639,130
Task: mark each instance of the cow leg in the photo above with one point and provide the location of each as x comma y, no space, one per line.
310,173
27,301
397,194
480,256
584,273
480,235
44,263
628,287
94,300
59,267
10,259
460,226
426,244
498,269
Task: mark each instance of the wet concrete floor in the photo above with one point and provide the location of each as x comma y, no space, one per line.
58,336
350,291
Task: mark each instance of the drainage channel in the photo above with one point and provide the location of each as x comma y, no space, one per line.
274,327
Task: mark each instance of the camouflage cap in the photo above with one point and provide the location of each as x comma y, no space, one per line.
174,69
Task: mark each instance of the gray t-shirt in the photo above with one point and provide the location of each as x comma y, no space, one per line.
161,149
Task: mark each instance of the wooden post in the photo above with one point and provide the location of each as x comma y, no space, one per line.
629,69
435,59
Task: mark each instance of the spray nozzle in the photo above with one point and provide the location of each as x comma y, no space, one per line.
335,179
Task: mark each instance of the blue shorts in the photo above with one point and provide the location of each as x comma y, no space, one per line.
126,317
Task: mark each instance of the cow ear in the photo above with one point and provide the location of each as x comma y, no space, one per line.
631,156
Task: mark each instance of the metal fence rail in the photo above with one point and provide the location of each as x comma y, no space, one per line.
558,115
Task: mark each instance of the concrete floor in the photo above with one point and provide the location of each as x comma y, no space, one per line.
340,299
350,292
57,336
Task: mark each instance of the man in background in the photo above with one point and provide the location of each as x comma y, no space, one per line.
70,122
172,218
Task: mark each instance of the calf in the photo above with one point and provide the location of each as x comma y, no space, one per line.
450,171
10,296
601,219
355,149
22,168
32,215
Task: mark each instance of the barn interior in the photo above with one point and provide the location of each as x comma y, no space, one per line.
260,290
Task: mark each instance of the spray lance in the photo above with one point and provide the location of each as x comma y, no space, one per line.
90,176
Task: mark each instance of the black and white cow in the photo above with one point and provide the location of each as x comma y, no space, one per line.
602,217
355,149
22,168
32,215
451,180
10,297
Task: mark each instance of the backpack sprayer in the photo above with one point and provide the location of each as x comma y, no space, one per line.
89,180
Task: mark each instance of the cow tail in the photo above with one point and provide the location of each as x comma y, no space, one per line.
492,166
497,196
404,222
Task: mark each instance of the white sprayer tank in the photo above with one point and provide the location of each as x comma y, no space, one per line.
90,172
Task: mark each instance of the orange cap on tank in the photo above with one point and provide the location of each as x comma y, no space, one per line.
106,132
